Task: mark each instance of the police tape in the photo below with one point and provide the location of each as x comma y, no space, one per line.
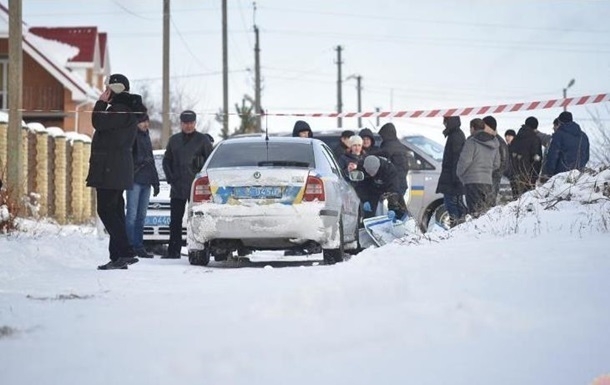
457,111
460,111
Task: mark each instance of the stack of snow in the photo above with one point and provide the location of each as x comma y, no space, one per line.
570,203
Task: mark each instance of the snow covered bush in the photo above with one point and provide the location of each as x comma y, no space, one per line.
8,212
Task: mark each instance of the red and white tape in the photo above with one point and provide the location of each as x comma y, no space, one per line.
462,111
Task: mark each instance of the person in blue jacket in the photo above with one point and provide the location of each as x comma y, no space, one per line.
569,148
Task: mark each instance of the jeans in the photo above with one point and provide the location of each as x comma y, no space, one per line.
455,206
137,204
111,210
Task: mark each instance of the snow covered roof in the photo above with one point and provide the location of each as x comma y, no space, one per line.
84,39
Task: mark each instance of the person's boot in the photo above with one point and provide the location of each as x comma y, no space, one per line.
119,264
142,253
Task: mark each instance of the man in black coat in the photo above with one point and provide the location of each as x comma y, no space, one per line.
396,152
185,151
115,119
525,154
383,183
448,182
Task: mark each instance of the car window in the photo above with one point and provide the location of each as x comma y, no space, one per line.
250,154
428,146
334,166
159,166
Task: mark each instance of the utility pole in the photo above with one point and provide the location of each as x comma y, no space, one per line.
257,77
565,93
359,88
377,109
225,71
339,86
166,129
15,100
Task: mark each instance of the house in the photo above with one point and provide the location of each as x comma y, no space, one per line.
63,73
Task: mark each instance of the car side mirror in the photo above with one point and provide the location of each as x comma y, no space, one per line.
356,176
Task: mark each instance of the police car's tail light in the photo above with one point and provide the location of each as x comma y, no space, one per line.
201,190
314,190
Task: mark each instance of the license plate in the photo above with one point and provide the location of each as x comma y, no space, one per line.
156,221
257,192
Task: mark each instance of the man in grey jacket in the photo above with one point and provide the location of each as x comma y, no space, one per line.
480,156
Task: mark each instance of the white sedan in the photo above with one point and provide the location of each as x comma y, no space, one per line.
271,193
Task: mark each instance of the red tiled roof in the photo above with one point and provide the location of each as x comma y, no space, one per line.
81,37
103,39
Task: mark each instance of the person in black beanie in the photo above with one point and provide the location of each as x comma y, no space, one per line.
392,149
525,154
569,147
368,141
448,182
509,135
115,118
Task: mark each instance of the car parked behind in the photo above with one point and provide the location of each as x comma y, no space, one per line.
276,193
156,224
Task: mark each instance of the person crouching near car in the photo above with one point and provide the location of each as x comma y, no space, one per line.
184,150
144,177
479,157
383,184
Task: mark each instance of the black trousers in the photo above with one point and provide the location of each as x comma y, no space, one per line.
479,198
111,210
177,207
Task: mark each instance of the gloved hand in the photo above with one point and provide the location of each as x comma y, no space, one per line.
155,190
367,207
392,215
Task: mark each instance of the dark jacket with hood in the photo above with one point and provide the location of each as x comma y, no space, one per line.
385,182
301,125
448,181
115,123
145,171
525,154
478,159
366,132
181,154
396,152
569,149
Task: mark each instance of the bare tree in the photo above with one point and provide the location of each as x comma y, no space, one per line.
600,151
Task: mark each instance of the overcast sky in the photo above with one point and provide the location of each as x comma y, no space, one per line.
410,54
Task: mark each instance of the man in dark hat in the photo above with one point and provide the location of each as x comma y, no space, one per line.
525,154
115,119
184,150
302,129
448,182
569,148
491,127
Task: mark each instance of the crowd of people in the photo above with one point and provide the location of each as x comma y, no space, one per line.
122,160
473,167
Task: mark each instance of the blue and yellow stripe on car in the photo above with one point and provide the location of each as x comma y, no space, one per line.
417,191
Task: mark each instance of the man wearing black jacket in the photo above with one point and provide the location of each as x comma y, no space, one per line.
448,182
396,152
184,150
525,153
383,183
115,119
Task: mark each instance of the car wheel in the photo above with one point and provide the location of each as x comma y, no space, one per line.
442,218
332,256
199,257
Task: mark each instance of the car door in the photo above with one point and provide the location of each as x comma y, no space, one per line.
349,200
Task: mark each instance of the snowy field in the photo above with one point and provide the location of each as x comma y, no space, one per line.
519,296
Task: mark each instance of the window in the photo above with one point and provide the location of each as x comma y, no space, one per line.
3,83
250,154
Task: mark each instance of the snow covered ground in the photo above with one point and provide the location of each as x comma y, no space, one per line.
519,296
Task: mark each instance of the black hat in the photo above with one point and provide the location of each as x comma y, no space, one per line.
565,117
491,122
510,132
188,116
532,122
143,117
118,83
347,134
